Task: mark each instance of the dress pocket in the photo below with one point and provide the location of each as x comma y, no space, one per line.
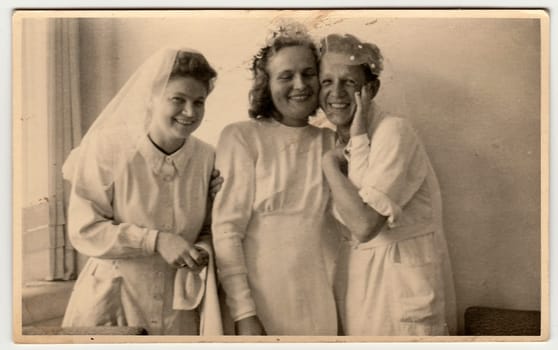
417,288
96,299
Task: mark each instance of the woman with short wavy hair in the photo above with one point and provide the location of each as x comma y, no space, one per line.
271,229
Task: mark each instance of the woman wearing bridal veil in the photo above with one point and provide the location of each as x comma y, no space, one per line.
139,200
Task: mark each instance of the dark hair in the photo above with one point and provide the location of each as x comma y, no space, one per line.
193,65
368,75
261,104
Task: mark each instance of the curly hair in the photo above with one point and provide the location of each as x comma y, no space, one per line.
193,65
366,55
369,76
260,101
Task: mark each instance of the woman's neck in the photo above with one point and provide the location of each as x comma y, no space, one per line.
344,134
292,122
167,146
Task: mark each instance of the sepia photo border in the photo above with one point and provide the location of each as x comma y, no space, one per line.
403,13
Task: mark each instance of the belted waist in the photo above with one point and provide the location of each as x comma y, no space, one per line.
390,235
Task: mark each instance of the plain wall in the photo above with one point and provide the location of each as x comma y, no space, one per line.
471,87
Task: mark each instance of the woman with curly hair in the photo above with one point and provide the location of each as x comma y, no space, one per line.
271,227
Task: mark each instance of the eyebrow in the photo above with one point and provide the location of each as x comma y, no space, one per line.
285,71
179,93
291,71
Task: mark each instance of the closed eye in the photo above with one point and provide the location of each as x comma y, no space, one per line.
285,76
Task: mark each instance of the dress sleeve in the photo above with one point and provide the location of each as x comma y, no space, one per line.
231,213
397,167
358,150
92,228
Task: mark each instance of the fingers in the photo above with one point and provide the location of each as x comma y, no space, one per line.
200,256
366,92
215,186
215,183
186,261
363,99
358,103
215,173
194,253
203,258
195,259
216,178
178,253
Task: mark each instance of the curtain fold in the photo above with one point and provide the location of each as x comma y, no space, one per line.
64,134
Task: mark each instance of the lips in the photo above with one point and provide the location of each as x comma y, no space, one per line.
185,122
338,105
300,97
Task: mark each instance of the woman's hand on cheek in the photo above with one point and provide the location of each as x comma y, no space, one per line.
363,99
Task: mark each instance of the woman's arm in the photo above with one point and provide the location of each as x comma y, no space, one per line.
397,167
362,220
91,225
92,228
232,211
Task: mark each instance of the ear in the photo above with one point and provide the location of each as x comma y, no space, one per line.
374,88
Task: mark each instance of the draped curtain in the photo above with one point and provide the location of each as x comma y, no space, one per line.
64,133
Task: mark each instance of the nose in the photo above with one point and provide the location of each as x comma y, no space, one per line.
188,109
298,82
338,89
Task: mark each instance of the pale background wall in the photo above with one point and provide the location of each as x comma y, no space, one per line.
470,87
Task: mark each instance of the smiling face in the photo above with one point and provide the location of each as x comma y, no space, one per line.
338,84
293,83
177,112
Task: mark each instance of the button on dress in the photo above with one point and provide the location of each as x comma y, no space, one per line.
274,237
122,196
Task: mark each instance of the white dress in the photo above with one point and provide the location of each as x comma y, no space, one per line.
122,196
400,282
274,238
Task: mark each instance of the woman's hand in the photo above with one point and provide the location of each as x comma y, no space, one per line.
363,99
203,258
215,183
249,326
178,253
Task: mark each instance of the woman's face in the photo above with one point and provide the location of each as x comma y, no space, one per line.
293,82
338,84
179,111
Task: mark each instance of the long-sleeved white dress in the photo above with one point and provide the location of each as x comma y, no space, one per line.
273,233
122,195
400,282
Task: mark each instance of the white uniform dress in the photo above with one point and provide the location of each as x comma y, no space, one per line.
400,282
122,196
273,235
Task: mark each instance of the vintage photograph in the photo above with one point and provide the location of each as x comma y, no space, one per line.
280,175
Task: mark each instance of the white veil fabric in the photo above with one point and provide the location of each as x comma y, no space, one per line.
130,108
